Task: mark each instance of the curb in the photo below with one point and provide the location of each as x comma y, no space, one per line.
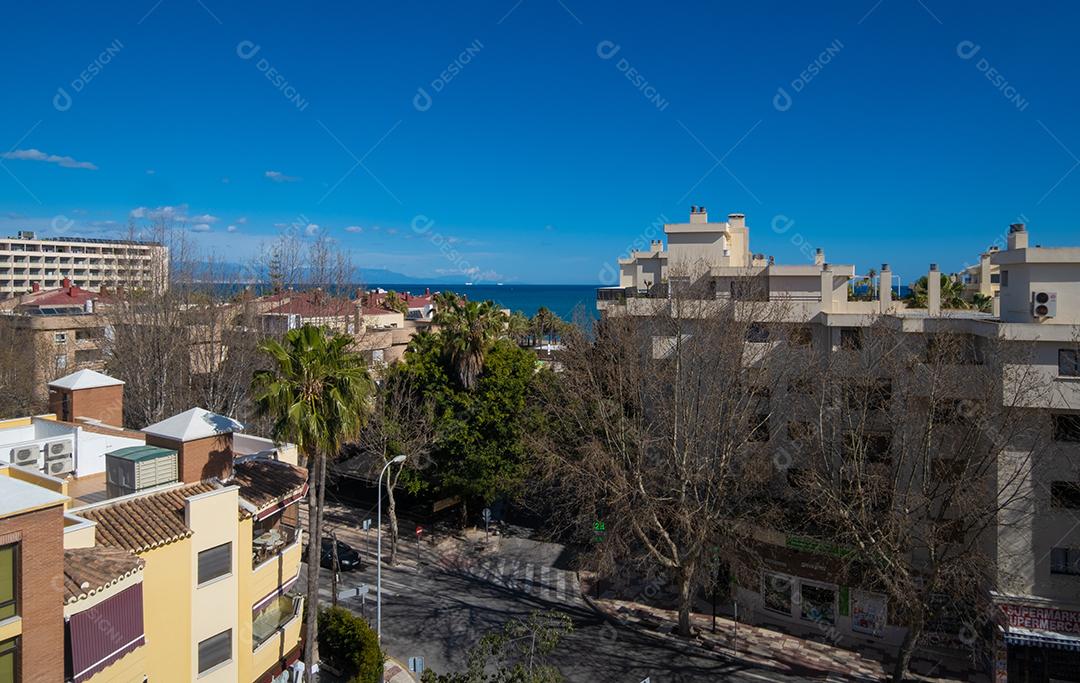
404,670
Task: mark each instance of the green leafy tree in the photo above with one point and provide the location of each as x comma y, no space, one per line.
479,448
316,393
517,327
519,653
350,645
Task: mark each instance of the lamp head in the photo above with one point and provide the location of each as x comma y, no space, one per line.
400,458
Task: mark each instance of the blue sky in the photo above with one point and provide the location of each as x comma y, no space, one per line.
535,141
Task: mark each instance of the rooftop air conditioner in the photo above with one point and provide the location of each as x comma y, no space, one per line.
55,450
1044,304
27,456
60,465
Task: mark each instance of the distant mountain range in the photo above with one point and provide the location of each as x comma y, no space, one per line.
236,273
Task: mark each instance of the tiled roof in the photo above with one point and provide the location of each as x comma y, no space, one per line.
65,296
145,522
315,305
90,570
264,482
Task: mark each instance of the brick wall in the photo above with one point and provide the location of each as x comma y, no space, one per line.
41,591
200,459
101,403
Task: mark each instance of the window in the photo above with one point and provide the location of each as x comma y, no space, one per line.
850,338
818,604
871,446
60,337
1069,362
215,562
1067,427
995,279
61,361
1065,494
776,592
87,356
757,333
215,650
1065,561
1004,278
9,589
89,333
9,660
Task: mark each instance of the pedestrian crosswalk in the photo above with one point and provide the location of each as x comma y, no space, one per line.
544,582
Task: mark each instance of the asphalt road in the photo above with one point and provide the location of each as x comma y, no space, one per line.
441,610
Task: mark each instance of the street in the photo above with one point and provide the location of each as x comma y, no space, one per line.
443,608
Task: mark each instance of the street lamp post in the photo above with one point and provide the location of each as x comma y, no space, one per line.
378,554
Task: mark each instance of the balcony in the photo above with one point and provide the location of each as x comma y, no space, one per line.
270,543
273,618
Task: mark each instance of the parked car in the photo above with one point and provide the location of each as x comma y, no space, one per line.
348,557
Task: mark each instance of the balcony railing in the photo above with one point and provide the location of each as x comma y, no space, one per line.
274,618
659,291
270,543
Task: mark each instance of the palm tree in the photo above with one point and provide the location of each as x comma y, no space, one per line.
317,394
467,329
983,303
870,275
517,327
952,293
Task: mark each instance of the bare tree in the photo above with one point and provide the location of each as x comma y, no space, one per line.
914,452
400,424
657,429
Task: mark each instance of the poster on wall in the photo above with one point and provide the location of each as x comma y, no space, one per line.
868,612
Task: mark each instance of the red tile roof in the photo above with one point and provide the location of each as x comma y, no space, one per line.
315,305
265,483
65,296
90,570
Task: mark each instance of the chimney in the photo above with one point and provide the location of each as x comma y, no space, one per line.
933,291
885,288
1018,236
427,291
35,287
698,215
819,257
826,288
736,220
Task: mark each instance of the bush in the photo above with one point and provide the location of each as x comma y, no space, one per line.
349,645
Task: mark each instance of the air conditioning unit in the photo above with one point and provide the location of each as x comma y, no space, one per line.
27,456
57,449
61,465
1044,304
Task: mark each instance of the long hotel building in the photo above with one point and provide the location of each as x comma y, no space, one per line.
28,263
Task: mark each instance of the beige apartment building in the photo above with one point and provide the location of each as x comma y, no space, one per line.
27,261
1036,311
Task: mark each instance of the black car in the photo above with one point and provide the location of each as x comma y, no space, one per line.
348,558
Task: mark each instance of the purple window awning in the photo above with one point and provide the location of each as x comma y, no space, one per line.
104,633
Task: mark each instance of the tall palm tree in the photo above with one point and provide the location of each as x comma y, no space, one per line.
952,293
517,327
317,394
467,329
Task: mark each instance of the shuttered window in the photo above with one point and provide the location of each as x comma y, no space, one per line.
215,562
215,650
8,581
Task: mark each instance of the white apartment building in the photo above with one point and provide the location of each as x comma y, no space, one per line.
27,261
1036,307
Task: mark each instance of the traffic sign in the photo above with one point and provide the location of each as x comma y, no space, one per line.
419,529
354,592
416,665
367,524
487,515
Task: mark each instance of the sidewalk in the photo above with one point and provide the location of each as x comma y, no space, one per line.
769,649
396,672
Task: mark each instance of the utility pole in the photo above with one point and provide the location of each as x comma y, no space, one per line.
334,567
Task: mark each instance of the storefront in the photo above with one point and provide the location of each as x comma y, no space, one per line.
1037,644
803,588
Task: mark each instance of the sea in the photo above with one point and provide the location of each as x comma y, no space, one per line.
573,303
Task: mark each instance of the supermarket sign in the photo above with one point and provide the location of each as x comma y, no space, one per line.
1042,618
